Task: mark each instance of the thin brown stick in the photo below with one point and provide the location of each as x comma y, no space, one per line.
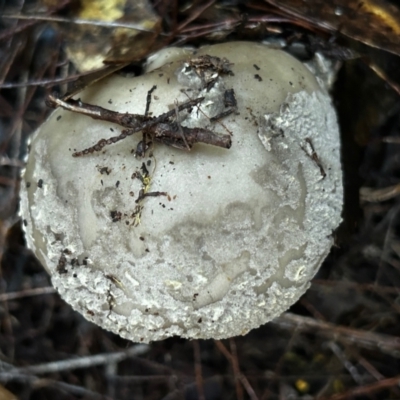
27,293
140,378
160,128
171,135
197,370
93,76
378,195
180,127
382,74
370,340
370,368
250,391
196,14
236,369
130,121
221,347
367,389
17,28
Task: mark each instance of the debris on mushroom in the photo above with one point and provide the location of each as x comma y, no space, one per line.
161,234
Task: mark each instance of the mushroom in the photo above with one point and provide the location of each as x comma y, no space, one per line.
150,241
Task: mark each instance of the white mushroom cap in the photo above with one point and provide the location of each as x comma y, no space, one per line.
240,232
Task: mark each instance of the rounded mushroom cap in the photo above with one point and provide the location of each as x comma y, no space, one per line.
207,243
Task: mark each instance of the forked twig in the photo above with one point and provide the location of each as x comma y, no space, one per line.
240,376
164,128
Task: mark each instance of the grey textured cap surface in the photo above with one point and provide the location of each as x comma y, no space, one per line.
239,233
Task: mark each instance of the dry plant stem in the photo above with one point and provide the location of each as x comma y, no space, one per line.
312,309
378,195
141,378
198,371
370,369
180,127
6,320
195,31
159,128
228,24
6,64
367,389
391,217
342,285
279,364
111,370
246,384
378,71
80,80
236,369
342,357
376,341
27,293
39,383
18,27
195,14
80,21
83,362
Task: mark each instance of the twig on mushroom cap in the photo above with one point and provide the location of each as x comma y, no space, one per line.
161,129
